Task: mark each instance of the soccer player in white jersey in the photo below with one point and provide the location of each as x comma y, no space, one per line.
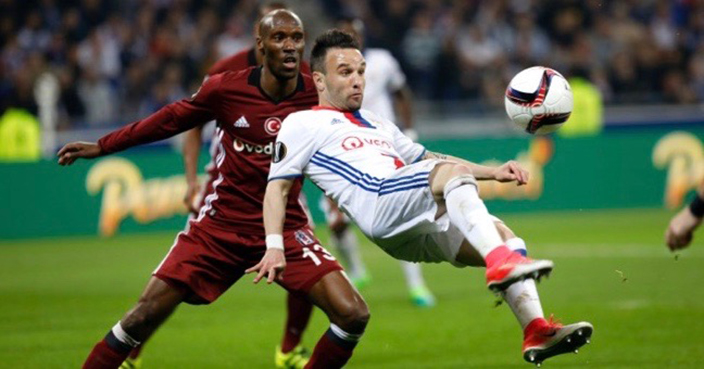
414,204
386,88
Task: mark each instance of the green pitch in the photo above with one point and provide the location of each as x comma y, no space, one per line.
59,296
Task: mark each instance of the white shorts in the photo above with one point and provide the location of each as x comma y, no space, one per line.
405,227
404,223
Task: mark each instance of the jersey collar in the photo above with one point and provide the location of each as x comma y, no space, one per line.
354,116
255,80
252,57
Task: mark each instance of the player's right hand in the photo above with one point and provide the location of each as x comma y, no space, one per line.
74,150
679,232
272,265
191,198
512,171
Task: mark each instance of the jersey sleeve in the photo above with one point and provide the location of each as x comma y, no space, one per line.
294,147
396,77
169,121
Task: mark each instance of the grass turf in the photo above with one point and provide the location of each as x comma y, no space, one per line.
59,296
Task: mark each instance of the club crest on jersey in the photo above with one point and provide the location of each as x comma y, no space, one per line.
272,125
279,152
304,238
352,143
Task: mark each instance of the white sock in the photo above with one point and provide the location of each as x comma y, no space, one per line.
348,248
342,338
123,337
469,214
522,296
414,276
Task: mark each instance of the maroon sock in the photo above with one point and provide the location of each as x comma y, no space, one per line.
299,310
331,352
105,357
136,351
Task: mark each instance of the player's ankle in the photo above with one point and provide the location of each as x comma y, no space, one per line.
288,346
497,255
535,324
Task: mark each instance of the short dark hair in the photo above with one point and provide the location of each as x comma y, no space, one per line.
332,39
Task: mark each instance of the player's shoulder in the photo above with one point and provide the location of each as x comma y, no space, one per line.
233,76
305,68
374,118
235,62
308,83
311,119
303,116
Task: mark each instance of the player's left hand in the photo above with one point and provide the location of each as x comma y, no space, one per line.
272,265
679,232
512,171
75,150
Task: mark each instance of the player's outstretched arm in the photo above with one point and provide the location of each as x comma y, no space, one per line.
168,121
508,172
76,150
274,261
680,232
191,149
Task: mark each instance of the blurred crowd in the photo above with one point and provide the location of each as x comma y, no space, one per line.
634,51
119,60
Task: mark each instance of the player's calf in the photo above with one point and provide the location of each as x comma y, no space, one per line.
348,314
468,213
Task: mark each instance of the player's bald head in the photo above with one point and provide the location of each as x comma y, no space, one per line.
277,18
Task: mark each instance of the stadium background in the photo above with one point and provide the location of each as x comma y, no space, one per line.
601,195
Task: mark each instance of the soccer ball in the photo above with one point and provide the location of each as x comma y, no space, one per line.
539,100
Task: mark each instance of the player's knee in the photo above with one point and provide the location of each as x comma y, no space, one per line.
458,179
354,317
444,174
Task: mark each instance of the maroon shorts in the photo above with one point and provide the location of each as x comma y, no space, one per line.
205,261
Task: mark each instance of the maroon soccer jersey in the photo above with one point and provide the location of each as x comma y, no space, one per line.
247,124
242,60
236,62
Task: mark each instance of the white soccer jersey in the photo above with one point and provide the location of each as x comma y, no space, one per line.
383,78
350,155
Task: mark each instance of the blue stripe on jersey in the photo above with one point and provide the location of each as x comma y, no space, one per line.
420,157
371,180
365,122
421,185
368,182
350,168
344,175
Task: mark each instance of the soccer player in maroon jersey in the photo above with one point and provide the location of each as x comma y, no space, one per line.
227,238
299,310
193,138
